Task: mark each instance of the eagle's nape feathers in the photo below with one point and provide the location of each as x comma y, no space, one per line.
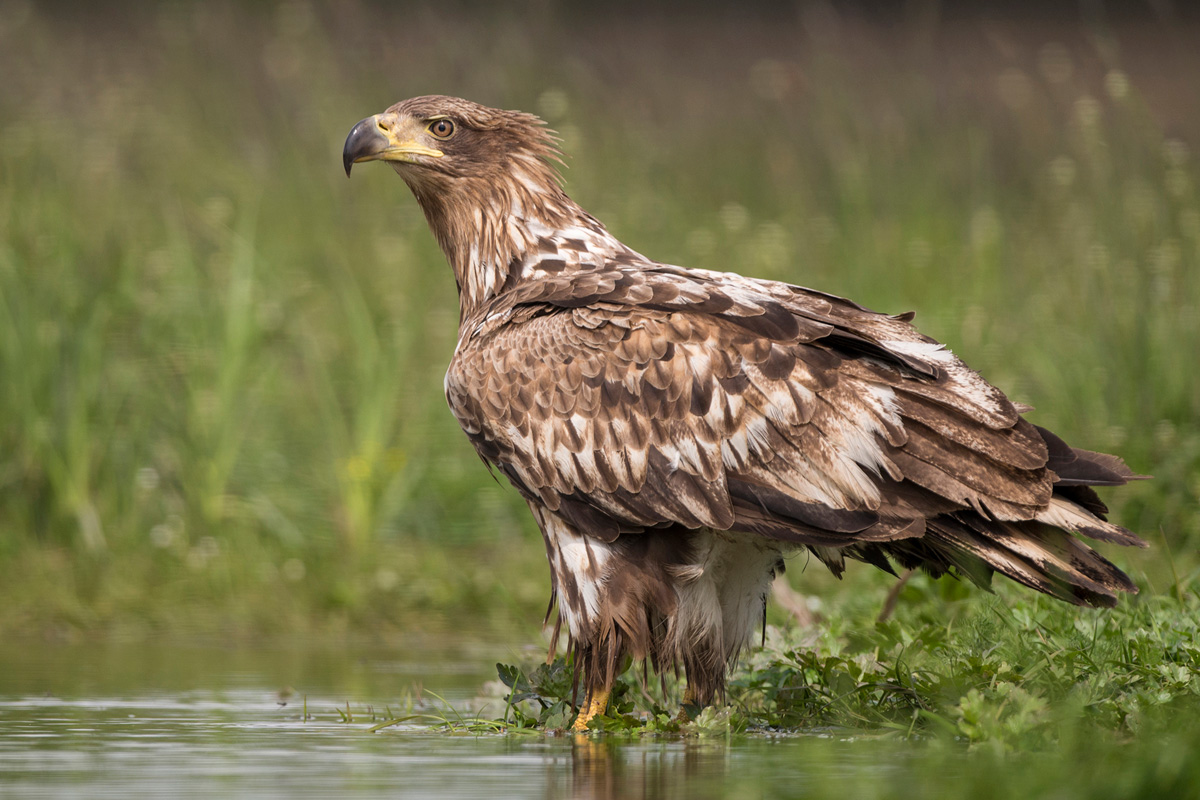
677,432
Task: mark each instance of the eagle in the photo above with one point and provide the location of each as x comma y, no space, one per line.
678,433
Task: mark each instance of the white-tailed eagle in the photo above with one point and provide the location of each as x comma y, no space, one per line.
676,433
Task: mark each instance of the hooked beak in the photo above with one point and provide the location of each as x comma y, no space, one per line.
384,137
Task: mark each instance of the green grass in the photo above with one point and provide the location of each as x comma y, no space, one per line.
1013,673
220,361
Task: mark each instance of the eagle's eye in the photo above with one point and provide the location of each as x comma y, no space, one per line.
442,128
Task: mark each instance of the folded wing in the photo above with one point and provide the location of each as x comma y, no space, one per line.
650,398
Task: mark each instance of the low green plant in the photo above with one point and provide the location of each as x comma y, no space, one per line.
1011,672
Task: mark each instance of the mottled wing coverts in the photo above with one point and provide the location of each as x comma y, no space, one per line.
631,398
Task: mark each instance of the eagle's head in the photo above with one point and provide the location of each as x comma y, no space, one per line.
445,144
484,177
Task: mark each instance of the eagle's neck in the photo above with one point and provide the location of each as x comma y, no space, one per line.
497,234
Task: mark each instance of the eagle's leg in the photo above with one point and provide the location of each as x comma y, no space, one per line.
596,703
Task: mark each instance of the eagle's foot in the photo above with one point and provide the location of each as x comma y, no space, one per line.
690,706
596,704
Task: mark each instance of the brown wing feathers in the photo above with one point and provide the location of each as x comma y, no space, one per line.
630,399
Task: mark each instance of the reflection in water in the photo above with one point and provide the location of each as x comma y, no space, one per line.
164,721
606,769
245,744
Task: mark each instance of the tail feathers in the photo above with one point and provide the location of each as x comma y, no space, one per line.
1083,496
1078,518
1031,553
1076,467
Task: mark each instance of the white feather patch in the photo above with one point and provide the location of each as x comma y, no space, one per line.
929,351
724,591
585,560
1062,513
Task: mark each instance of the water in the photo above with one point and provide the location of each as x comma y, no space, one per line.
169,720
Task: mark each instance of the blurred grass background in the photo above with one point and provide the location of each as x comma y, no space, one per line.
221,363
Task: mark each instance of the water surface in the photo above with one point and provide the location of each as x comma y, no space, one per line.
173,720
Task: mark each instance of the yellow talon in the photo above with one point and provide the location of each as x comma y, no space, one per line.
689,699
596,703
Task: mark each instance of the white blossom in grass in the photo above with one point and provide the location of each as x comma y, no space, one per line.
163,536
293,570
1116,83
147,479
386,579
553,104
734,217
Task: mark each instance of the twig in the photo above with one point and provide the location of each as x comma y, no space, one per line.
889,604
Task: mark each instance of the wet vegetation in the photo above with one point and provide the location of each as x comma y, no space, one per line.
220,362
1007,673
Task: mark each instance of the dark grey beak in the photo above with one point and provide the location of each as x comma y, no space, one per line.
365,142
